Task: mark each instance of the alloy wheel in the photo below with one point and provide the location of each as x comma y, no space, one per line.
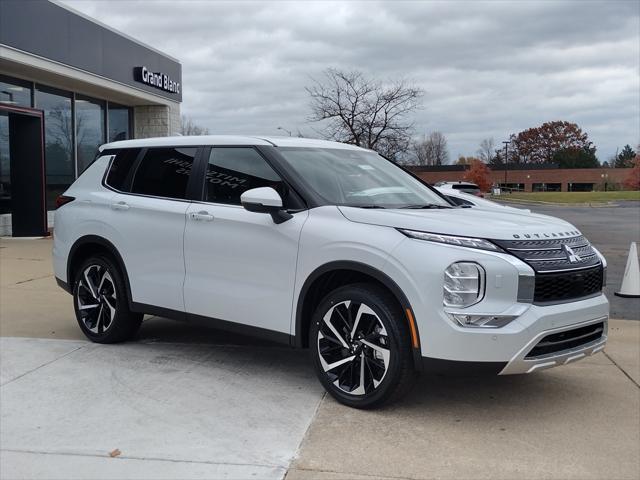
353,347
96,298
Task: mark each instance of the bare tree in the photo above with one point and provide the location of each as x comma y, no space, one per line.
431,150
365,112
188,127
486,151
420,150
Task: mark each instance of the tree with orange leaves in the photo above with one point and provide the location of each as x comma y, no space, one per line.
632,182
480,174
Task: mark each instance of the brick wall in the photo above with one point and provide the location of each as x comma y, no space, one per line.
156,120
564,176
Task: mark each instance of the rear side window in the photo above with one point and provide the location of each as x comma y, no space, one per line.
459,201
233,171
464,187
164,172
121,167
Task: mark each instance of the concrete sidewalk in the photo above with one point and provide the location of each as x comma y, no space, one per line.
172,411
186,402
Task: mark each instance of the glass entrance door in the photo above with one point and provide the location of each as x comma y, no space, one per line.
5,165
22,181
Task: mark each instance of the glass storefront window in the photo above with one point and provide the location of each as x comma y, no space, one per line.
58,140
15,92
73,131
90,126
119,123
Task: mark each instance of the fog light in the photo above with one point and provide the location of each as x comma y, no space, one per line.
487,321
463,284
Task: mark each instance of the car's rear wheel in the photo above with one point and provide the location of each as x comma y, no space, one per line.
100,302
360,346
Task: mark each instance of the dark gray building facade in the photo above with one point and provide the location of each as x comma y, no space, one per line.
69,84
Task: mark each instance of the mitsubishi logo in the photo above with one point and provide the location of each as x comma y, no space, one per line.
572,256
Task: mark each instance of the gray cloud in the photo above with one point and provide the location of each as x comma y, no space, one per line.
488,68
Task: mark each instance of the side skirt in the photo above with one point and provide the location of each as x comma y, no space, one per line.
216,323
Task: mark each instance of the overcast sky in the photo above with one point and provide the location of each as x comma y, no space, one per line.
488,69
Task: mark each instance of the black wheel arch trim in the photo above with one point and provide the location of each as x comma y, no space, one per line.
110,247
363,268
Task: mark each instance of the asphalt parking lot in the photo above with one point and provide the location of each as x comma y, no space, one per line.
190,402
611,229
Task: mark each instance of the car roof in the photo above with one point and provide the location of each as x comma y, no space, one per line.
219,140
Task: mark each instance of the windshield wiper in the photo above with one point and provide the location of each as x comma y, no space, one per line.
425,206
368,206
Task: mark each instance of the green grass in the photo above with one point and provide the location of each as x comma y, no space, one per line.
572,197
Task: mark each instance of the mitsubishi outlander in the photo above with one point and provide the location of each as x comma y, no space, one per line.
325,246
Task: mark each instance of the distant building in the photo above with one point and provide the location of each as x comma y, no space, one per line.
534,178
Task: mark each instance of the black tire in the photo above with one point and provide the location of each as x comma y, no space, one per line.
110,320
379,386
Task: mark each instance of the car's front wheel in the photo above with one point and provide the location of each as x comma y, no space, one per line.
360,346
100,302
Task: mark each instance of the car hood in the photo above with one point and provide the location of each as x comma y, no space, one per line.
467,222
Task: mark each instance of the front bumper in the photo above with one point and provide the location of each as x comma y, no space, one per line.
520,363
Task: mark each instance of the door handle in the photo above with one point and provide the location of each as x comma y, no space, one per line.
202,215
120,206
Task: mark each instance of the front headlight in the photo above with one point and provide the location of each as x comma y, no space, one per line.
604,266
452,240
463,284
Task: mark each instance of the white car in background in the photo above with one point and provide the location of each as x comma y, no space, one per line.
460,186
462,199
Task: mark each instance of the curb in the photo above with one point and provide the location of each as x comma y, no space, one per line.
558,204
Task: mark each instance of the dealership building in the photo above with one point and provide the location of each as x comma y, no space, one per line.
68,84
533,178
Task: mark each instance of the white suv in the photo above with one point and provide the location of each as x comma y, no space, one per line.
327,246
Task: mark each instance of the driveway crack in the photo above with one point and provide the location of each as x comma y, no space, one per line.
142,458
41,366
32,279
621,369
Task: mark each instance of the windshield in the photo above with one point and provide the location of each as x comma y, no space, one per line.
359,179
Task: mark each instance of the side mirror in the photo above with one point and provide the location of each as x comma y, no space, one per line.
265,200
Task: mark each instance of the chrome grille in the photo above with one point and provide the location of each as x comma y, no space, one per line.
558,278
550,255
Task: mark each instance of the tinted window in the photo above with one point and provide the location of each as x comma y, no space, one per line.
466,188
120,168
233,171
164,172
459,201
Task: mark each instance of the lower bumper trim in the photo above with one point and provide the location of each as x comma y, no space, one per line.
455,368
522,364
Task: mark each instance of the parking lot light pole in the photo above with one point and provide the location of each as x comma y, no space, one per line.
506,161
